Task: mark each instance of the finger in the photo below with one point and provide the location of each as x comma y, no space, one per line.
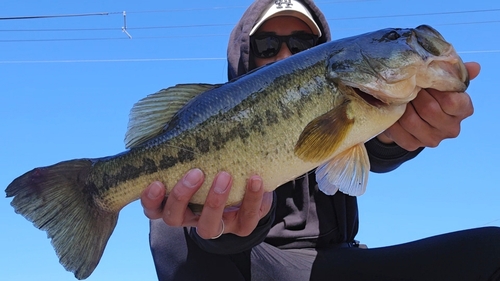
267,202
431,117
453,104
250,210
429,125
402,137
209,223
473,68
176,211
406,131
152,199
436,124
427,107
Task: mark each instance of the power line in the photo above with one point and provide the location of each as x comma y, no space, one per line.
110,60
479,52
56,16
221,24
182,26
115,28
173,36
234,7
416,15
153,11
191,35
112,38
168,59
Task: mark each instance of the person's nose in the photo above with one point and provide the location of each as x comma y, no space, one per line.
284,52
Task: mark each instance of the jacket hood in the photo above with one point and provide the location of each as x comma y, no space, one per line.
238,50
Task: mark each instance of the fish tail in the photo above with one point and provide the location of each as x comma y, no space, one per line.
57,199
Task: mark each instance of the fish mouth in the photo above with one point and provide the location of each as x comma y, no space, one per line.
368,98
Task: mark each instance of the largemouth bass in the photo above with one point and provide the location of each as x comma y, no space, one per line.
314,109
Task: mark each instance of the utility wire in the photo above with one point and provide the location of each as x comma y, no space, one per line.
154,11
192,26
169,59
192,35
57,16
236,7
111,60
115,28
416,15
111,38
173,36
229,24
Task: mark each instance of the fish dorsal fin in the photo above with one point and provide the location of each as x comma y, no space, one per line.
323,135
150,115
347,172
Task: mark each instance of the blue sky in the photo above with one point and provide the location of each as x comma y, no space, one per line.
68,83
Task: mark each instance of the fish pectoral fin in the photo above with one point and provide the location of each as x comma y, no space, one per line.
347,172
323,135
150,115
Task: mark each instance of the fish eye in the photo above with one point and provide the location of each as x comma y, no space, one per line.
393,35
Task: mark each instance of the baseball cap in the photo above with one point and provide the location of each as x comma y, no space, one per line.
288,8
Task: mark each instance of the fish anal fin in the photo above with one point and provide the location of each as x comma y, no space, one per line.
150,115
323,135
347,172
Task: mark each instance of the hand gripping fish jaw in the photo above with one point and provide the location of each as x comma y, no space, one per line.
398,63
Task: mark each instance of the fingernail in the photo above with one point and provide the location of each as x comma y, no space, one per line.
222,182
192,178
154,190
255,184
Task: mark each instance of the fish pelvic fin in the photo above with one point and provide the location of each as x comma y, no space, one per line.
149,116
323,135
347,172
57,200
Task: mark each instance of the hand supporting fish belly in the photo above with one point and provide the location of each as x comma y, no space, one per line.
314,109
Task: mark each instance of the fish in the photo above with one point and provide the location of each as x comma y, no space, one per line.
315,109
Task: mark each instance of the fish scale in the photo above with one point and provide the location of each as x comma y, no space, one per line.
314,109
275,111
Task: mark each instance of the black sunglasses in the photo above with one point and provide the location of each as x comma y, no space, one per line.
267,45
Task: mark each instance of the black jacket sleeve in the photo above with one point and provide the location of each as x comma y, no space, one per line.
231,244
387,157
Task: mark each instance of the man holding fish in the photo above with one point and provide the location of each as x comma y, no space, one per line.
297,232
275,160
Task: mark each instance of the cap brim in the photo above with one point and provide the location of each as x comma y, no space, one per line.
295,9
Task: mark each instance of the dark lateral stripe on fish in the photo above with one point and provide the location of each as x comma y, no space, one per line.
186,153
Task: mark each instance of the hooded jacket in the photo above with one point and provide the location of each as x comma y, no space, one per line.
238,50
301,215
